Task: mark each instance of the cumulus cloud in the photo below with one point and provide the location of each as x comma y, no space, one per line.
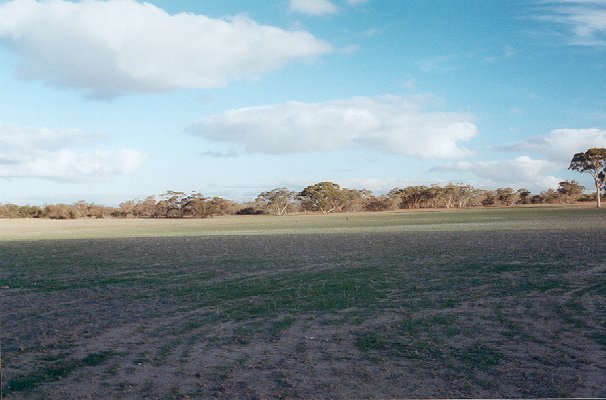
47,153
555,150
313,7
388,124
519,172
117,46
560,144
583,20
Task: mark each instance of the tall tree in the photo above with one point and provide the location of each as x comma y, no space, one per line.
194,205
506,196
570,191
324,196
354,199
593,161
524,196
277,201
170,203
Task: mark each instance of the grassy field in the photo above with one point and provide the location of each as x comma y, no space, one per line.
473,303
531,218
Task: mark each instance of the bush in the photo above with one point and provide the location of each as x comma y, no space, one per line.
250,211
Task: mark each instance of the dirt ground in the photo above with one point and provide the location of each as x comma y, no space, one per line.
400,315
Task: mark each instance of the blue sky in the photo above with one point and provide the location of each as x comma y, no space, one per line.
114,100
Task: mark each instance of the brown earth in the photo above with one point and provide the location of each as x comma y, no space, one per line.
448,314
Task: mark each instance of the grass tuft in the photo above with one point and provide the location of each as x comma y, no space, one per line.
55,371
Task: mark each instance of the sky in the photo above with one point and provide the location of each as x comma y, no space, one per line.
107,101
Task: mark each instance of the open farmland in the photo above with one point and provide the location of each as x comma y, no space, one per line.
473,303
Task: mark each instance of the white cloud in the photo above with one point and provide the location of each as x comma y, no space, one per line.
555,148
584,20
560,144
313,7
47,153
116,46
389,124
536,175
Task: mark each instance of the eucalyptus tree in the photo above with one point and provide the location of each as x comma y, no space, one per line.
355,200
170,204
524,196
194,205
506,196
277,201
593,161
326,197
570,191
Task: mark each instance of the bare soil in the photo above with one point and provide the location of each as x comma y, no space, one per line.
399,315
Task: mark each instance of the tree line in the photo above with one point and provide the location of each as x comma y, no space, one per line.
322,197
329,197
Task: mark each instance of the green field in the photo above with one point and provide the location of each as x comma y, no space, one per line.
470,303
532,218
